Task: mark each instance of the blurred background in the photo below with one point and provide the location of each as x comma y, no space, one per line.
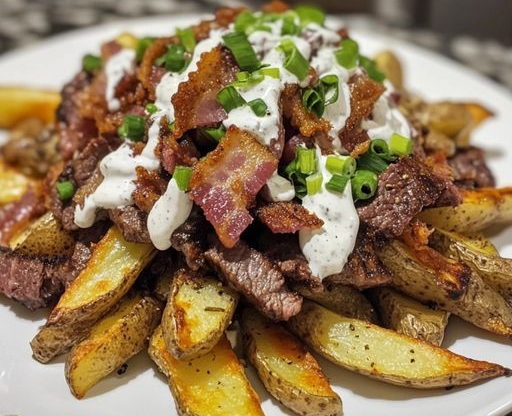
475,32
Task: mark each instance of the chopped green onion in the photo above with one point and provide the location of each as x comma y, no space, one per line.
187,39
229,98
132,128
242,50
373,162
306,160
258,28
364,184
142,45
348,55
270,72
91,63
380,148
337,183
330,85
289,27
243,76
171,126
216,133
243,21
270,17
341,165
400,145
182,176
314,183
151,108
310,14
258,106
245,79
294,61
175,58
65,190
313,101
371,69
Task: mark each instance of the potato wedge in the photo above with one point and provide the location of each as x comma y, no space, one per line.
198,311
384,354
13,184
448,118
45,237
482,258
480,209
288,371
112,341
479,303
409,317
19,103
390,65
211,385
341,299
478,112
111,271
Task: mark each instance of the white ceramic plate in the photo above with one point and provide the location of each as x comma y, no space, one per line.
28,388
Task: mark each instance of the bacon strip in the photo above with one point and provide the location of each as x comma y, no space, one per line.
287,217
225,182
195,101
150,186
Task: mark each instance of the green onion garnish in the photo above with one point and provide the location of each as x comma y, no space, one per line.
91,63
337,183
400,145
371,69
151,108
314,183
310,14
372,162
132,128
330,85
289,27
270,72
243,21
364,184
229,98
187,39
171,126
242,50
174,59
306,160
182,176
258,28
258,106
142,45
65,190
313,100
348,55
216,133
294,61
341,165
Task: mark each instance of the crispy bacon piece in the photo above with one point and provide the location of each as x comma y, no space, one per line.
275,6
147,69
149,187
225,182
195,101
305,121
287,217
364,92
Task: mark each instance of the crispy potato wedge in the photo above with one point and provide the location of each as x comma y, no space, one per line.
19,103
127,40
211,385
478,112
479,303
481,256
111,271
480,209
385,354
341,299
390,65
13,184
408,316
44,237
288,371
112,341
447,117
198,311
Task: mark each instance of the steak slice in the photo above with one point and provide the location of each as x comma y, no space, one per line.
254,275
404,189
132,222
470,169
190,239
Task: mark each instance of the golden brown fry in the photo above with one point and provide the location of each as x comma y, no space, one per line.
384,354
13,184
288,371
390,65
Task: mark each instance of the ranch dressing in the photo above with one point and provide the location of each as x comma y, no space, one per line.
280,189
116,67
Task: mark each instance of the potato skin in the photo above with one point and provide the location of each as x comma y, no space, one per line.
478,304
112,341
288,371
384,354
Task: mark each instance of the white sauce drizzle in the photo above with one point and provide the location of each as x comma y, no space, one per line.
327,249
280,189
116,67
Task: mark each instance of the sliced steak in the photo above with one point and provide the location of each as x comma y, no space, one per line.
470,169
404,189
254,275
190,239
72,268
287,217
132,222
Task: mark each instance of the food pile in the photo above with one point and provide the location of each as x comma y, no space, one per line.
257,168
